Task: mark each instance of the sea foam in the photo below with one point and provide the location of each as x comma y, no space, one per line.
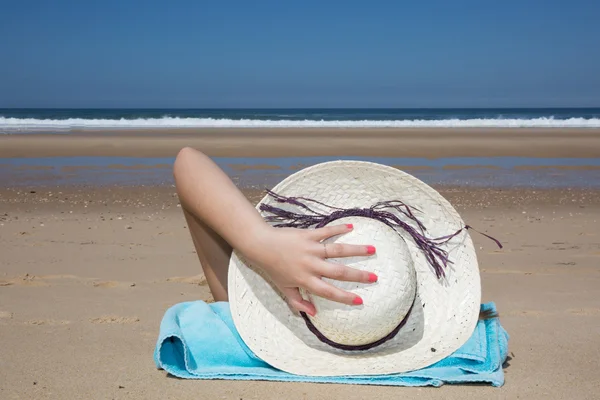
25,124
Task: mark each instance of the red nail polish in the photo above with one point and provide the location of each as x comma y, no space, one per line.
370,249
349,226
357,301
372,277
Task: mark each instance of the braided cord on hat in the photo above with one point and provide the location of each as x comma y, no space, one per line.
381,211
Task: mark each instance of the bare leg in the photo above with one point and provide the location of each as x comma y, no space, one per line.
213,251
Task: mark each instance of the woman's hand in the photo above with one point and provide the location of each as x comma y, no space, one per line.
296,258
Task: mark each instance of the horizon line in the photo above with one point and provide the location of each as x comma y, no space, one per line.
306,108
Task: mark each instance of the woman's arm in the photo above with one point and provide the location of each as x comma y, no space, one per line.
293,258
207,191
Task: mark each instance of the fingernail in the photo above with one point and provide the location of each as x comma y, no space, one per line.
372,277
349,226
370,249
310,309
357,301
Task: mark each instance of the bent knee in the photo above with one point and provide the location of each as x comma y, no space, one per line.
183,159
186,152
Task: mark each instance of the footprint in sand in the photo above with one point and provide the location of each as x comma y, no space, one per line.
496,252
527,313
504,251
105,284
563,248
194,280
114,320
112,284
506,271
26,280
50,322
6,315
587,312
60,277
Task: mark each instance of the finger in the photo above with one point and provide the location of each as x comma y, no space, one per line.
329,231
338,250
341,272
295,300
330,292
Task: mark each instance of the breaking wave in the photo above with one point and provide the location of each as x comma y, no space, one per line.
29,124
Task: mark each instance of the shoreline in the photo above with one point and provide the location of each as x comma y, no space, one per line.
247,172
303,142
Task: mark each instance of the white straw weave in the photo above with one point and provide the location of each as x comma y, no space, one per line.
445,311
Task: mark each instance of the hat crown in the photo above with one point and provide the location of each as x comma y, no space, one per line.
386,302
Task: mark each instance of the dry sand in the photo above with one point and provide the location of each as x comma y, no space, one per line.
86,275
426,143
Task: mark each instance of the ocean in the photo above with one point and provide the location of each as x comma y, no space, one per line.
60,120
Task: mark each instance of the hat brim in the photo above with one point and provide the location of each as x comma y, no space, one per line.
446,309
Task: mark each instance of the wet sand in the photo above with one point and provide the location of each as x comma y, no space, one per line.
426,143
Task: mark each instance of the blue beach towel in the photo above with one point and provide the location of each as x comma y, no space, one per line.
199,341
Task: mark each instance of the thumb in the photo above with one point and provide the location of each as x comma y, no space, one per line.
295,300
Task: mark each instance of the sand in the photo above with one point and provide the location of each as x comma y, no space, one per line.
426,143
87,272
86,276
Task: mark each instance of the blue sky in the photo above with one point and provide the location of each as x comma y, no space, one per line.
435,53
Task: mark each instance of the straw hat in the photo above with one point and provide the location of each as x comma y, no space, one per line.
412,316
